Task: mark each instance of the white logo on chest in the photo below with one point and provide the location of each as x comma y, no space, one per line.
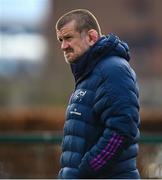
80,95
75,112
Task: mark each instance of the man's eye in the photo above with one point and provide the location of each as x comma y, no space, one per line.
60,40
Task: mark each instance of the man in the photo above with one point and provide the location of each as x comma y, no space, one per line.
102,119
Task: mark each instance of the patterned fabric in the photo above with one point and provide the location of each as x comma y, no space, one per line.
102,118
107,153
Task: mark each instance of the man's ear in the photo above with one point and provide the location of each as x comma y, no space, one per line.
93,36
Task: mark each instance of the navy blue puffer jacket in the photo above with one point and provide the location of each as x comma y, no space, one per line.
102,119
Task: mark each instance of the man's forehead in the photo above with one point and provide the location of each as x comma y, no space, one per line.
67,28
64,31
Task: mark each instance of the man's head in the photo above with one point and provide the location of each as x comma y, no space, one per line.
77,31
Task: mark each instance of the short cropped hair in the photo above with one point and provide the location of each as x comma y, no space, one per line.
84,19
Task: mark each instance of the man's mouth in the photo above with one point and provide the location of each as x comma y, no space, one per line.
68,52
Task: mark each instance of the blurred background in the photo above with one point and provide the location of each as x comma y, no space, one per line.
35,81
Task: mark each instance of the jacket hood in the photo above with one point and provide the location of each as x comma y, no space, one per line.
109,45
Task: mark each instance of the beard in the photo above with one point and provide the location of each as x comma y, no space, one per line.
68,59
70,56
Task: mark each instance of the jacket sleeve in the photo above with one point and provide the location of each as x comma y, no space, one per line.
117,107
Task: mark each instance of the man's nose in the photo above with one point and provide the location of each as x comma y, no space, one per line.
64,45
